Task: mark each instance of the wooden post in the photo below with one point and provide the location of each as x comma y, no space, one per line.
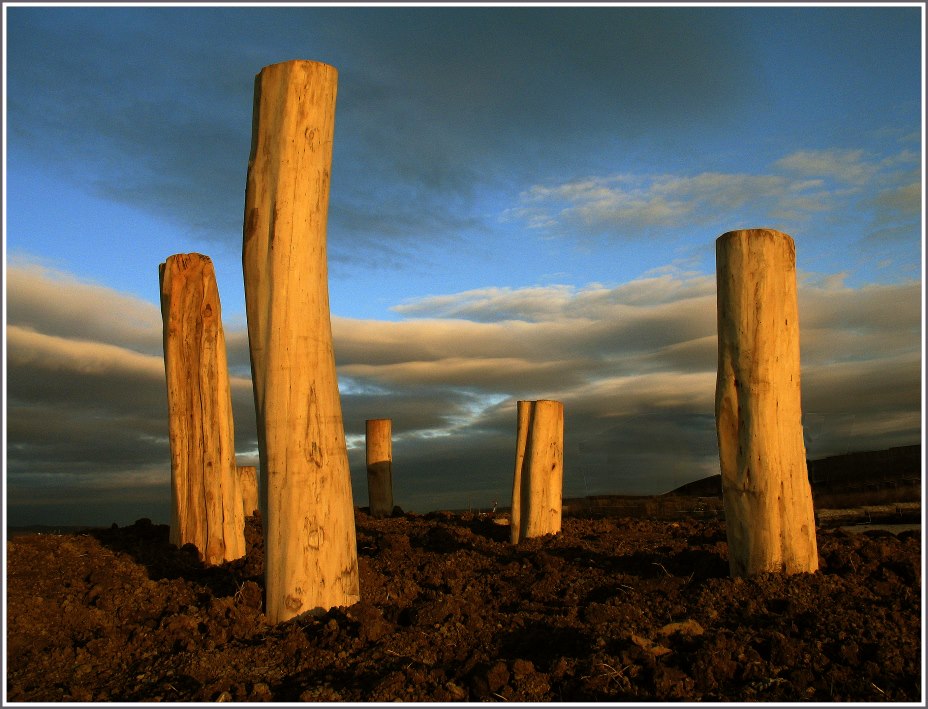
379,466
248,480
765,483
542,471
523,415
206,507
308,514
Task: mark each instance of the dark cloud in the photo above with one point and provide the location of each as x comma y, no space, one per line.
154,116
634,366
434,104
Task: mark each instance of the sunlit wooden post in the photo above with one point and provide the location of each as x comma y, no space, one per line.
206,506
765,483
248,480
305,486
379,444
539,495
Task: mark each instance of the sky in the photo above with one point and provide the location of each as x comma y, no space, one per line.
524,204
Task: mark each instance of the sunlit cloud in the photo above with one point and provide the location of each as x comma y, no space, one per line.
634,365
82,310
797,187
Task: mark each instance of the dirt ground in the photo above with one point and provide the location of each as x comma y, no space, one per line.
610,610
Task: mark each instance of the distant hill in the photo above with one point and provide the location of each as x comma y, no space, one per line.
875,475
903,463
892,475
890,478
48,529
704,487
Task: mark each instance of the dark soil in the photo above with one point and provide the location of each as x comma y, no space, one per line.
610,610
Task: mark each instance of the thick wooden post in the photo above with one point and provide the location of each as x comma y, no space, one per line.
542,470
306,503
523,415
248,480
206,507
765,483
378,437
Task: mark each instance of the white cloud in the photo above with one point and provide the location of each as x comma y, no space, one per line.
841,165
555,302
627,204
797,187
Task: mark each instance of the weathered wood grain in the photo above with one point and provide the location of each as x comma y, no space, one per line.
206,507
765,484
305,486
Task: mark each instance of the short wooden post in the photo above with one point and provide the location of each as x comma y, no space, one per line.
523,415
379,442
206,507
542,471
248,480
765,483
305,486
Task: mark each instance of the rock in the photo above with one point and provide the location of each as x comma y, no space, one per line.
649,645
522,668
687,627
457,693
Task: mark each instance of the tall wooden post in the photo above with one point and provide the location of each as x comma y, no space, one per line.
379,443
206,507
306,503
248,480
538,495
765,483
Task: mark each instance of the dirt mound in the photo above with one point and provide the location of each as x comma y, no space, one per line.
609,610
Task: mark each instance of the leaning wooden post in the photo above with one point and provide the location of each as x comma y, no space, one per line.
523,414
542,473
248,480
308,515
765,483
206,507
379,443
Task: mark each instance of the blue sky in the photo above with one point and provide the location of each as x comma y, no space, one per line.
524,204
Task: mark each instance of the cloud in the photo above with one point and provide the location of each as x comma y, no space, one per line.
629,206
82,310
840,165
547,303
161,131
83,366
811,189
86,399
904,201
634,365
431,111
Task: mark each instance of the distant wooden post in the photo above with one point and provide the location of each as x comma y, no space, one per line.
538,495
310,548
378,437
248,480
765,483
206,506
